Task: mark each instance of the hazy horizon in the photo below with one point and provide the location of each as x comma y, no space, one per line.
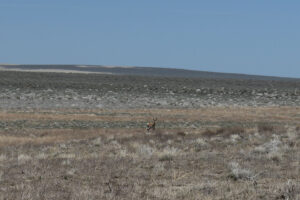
82,66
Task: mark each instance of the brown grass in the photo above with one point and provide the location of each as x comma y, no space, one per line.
256,159
214,114
265,128
224,131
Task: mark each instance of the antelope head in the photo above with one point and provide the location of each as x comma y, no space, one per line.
151,125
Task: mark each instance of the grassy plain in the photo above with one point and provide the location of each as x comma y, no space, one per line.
206,153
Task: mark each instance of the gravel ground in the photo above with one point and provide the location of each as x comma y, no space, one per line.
24,90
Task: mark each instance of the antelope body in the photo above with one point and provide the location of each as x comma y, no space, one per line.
151,125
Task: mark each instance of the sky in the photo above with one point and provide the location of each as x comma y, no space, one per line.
259,37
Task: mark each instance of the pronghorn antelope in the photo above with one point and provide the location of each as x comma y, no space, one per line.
151,125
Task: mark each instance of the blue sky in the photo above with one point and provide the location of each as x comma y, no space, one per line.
252,37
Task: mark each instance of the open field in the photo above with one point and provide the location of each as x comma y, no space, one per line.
24,90
205,153
83,136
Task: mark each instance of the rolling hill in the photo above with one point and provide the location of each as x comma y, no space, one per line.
140,71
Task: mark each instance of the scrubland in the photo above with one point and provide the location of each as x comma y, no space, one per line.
205,153
79,136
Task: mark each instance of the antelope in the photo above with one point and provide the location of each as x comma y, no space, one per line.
151,125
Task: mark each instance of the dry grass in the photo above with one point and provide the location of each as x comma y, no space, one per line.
239,159
213,114
224,131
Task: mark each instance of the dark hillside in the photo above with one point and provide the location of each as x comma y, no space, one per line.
141,71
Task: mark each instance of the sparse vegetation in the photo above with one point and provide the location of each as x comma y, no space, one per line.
262,128
24,90
236,172
224,131
216,162
56,151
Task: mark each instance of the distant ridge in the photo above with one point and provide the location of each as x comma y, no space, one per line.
139,71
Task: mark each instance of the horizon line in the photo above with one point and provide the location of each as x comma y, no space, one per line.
143,66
